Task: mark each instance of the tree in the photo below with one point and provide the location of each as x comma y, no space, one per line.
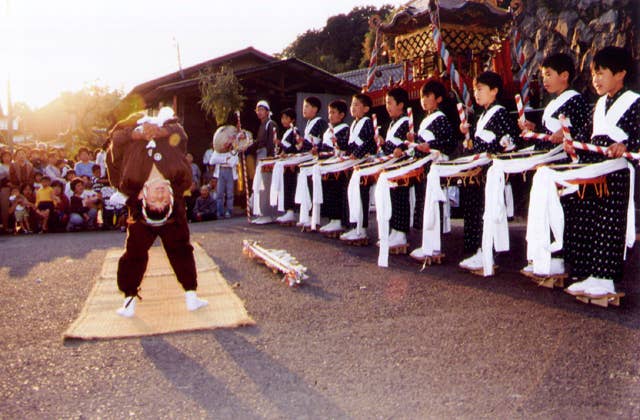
220,93
337,47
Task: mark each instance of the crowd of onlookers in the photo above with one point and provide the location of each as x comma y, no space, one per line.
46,191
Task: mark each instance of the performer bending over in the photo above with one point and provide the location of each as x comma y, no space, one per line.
601,222
146,161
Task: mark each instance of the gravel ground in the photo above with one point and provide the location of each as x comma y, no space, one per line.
355,341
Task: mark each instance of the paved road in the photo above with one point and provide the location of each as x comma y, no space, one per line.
355,342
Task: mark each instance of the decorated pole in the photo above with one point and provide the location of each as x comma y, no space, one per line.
410,115
522,74
275,141
245,178
520,107
602,150
536,136
376,131
566,132
467,143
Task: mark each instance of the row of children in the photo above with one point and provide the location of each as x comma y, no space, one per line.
594,240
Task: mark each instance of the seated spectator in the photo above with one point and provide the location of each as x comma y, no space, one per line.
81,215
27,192
85,166
5,192
21,171
20,206
5,164
44,203
35,157
60,213
37,181
52,170
112,214
205,207
95,174
69,176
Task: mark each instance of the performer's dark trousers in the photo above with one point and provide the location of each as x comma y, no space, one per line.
175,240
598,225
420,186
400,209
290,183
364,199
472,201
333,197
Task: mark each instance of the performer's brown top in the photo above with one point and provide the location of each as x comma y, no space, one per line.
129,160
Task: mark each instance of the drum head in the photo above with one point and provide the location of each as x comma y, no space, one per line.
228,134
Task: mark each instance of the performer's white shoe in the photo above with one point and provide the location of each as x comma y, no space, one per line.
474,262
420,254
557,267
128,308
397,238
581,286
332,226
193,302
600,287
288,217
262,220
353,235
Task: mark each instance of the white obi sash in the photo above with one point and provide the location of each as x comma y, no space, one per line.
356,127
307,131
605,123
486,135
423,130
393,129
330,133
553,124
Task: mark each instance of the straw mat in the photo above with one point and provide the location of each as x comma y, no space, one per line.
162,308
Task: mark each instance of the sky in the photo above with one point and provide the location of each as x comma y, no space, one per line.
47,47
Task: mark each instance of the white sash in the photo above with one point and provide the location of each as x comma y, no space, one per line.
486,135
327,137
545,210
605,123
423,131
553,124
307,131
392,131
356,127
284,142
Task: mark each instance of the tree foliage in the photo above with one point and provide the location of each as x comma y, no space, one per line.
220,92
339,46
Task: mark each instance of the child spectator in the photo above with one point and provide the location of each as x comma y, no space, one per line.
81,216
60,213
225,173
69,176
205,207
112,212
44,203
20,208
37,181
52,170
95,174
84,167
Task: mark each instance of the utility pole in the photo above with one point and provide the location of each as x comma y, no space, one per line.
9,107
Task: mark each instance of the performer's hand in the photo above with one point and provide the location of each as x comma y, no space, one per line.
379,140
314,150
557,137
241,135
526,125
464,128
423,147
569,149
299,140
398,152
411,136
616,150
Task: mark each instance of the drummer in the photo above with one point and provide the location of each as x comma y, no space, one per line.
289,146
434,133
263,147
494,132
361,143
334,141
396,101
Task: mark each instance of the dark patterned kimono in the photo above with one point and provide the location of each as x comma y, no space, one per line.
288,146
332,187
400,205
361,143
573,106
493,127
313,132
435,130
599,223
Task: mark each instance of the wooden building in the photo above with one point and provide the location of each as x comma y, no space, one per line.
281,82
